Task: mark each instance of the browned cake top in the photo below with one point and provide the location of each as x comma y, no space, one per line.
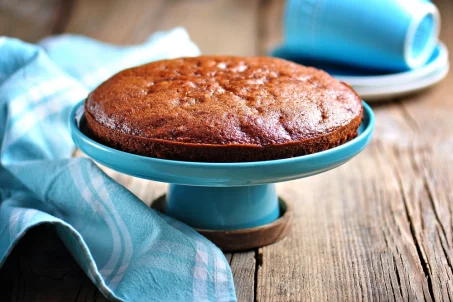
224,100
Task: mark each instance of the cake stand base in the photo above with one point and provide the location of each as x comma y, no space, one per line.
223,208
247,238
232,204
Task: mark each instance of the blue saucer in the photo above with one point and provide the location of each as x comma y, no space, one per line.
220,195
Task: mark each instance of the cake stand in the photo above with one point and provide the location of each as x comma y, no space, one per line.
233,204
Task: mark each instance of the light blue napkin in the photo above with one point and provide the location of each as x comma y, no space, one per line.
129,251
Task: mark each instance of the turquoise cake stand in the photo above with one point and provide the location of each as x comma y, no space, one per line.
220,196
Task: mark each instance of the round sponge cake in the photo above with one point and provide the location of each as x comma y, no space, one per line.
223,109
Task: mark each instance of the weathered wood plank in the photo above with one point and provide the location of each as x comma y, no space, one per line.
47,271
243,267
351,240
424,169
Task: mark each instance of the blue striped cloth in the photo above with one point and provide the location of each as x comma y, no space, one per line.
129,251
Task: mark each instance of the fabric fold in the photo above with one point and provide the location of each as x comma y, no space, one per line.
130,252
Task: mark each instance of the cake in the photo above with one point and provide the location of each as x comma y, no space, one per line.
223,109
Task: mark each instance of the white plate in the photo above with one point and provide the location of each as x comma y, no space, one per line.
376,93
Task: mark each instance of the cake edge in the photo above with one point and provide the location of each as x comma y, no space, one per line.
171,150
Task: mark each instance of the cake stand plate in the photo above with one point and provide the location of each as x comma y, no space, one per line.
227,202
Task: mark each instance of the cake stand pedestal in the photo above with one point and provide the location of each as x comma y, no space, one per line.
235,205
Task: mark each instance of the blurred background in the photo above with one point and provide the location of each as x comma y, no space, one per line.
253,27
217,26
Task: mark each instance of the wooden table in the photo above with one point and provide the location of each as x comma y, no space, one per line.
378,228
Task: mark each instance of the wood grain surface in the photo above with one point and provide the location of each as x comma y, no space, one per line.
379,228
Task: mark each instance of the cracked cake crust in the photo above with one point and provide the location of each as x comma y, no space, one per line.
223,109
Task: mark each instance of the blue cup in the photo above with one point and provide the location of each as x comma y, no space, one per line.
390,35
